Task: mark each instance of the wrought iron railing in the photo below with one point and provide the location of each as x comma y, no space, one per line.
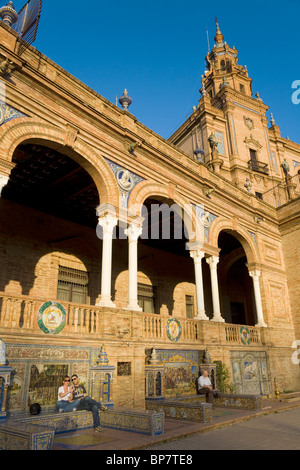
260,167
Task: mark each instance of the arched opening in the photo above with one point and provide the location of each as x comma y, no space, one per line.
235,284
49,206
164,259
49,181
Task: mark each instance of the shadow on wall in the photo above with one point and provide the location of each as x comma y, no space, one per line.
32,244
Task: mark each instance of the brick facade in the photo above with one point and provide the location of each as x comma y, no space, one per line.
62,114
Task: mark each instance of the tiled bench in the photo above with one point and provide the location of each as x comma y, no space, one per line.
249,402
149,422
245,402
25,436
139,421
194,407
177,409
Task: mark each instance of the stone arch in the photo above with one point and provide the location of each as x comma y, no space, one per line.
66,141
147,189
234,228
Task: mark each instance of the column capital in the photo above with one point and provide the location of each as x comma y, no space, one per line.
255,274
197,255
108,222
212,261
133,232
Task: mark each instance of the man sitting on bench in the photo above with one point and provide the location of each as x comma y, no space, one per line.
78,394
205,387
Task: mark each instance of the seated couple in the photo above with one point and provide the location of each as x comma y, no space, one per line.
205,387
75,398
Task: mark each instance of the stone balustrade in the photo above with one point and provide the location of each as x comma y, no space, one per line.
19,314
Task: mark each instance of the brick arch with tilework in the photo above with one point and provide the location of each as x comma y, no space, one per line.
27,130
235,229
147,189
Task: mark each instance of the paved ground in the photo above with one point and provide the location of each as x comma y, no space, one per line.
277,424
279,431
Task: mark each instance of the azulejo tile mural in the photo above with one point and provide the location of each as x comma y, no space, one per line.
250,372
39,369
181,369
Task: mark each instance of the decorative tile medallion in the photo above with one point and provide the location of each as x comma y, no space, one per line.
7,113
52,318
206,219
253,237
126,181
174,329
245,335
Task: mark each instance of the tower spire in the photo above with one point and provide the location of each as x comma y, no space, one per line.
223,71
219,38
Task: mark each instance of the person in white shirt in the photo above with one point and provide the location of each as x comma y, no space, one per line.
64,393
205,387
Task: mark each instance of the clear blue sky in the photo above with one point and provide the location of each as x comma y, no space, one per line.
156,50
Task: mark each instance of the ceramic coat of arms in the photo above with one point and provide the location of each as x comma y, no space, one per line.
52,318
174,329
245,335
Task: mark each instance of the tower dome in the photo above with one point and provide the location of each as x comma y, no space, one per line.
8,14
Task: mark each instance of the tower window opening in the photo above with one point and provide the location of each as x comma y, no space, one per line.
253,156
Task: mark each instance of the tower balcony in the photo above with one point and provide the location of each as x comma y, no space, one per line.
258,166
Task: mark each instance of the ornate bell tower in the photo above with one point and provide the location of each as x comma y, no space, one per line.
228,129
223,69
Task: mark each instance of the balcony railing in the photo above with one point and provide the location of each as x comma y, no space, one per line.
18,315
260,167
233,334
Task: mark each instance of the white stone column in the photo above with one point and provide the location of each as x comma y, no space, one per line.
133,233
259,311
108,222
213,261
3,182
197,256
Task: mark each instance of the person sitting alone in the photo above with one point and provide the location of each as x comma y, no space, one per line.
205,387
